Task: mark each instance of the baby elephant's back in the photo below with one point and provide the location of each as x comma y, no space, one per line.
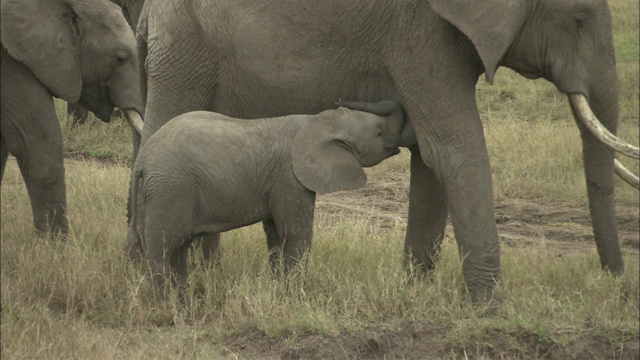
200,143
195,137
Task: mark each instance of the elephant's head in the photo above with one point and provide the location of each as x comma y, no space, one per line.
329,153
71,45
569,43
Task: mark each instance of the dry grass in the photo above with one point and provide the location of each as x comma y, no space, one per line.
81,299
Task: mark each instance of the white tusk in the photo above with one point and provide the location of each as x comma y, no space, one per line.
134,119
589,119
626,175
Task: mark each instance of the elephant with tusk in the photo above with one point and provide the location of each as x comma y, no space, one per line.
247,59
101,105
77,50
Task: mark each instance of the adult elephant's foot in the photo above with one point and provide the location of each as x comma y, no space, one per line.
419,268
52,222
481,282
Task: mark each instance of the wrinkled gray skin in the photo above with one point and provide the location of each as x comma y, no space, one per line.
57,48
205,173
93,98
253,59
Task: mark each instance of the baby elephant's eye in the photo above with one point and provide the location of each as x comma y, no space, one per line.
379,132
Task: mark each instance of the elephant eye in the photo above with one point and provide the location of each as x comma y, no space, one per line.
122,57
379,132
580,19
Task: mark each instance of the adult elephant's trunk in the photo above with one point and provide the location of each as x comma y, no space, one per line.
599,160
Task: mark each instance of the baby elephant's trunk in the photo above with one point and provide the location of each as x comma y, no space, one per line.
387,108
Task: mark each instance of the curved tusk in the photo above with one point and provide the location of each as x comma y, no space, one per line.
134,119
626,175
590,120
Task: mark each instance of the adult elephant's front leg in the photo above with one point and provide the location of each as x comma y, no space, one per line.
470,197
35,140
427,217
43,171
451,141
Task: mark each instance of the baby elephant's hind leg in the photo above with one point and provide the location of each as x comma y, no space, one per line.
166,245
210,244
168,265
273,245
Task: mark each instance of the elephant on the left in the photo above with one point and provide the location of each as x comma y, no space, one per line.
101,108
61,48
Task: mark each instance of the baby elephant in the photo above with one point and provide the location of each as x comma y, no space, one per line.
204,173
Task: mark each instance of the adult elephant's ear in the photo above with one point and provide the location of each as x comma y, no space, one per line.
43,34
323,158
491,25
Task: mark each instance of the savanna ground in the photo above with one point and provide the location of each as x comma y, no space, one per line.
81,299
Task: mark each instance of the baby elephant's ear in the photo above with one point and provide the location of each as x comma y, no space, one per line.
323,160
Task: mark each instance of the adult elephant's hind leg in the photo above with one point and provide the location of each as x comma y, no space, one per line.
427,217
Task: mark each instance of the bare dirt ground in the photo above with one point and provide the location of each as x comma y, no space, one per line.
566,230
521,222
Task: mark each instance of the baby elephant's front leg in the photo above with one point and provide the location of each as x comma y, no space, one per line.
289,233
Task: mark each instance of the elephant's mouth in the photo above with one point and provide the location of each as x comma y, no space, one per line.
394,151
589,119
97,100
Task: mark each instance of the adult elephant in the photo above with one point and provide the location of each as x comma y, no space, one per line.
59,48
100,105
252,59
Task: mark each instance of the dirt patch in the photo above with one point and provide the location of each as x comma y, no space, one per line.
564,227
421,340
411,340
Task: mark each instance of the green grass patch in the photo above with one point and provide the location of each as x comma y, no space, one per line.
626,47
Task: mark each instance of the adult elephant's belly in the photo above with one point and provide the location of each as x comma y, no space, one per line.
268,87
